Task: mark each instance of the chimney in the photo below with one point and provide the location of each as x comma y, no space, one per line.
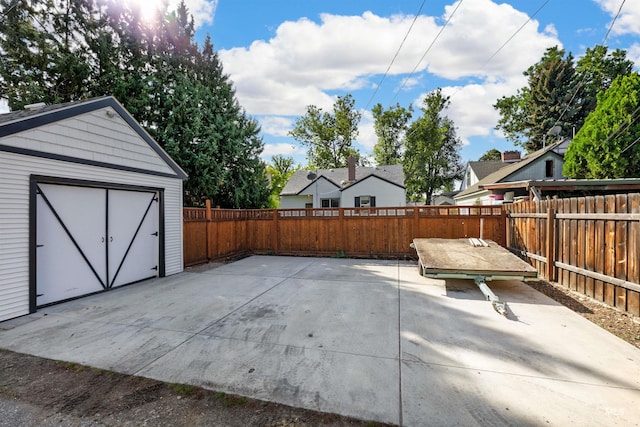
351,164
511,156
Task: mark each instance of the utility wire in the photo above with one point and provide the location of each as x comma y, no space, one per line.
483,67
396,55
514,34
504,44
404,82
584,76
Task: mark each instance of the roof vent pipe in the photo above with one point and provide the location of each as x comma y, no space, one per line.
34,107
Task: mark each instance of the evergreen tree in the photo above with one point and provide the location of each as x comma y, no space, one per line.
177,92
526,117
558,93
607,145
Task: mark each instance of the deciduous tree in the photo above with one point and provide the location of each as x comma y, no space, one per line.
492,154
432,152
280,171
329,136
390,126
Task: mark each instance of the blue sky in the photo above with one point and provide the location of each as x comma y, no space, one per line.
285,55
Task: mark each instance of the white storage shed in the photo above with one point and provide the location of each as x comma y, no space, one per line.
88,202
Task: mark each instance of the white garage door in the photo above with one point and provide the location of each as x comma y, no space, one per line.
92,239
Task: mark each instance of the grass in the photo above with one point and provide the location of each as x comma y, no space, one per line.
340,253
181,389
7,392
229,400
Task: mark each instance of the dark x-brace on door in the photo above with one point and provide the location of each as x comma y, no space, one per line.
90,239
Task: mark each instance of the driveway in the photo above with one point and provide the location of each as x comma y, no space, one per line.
368,339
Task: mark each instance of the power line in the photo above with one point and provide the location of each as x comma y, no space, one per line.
584,76
483,67
396,55
404,82
514,34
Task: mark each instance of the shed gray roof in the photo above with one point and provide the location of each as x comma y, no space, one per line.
299,180
502,174
21,120
486,167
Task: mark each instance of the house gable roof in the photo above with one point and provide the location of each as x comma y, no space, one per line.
19,121
503,174
299,181
372,176
483,168
318,178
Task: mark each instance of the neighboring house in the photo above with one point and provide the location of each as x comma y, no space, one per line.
345,188
88,202
444,198
478,170
543,164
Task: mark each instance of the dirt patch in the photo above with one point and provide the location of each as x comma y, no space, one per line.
621,324
42,392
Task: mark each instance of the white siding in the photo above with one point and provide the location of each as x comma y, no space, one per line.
92,136
320,189
477,198
294,202
386,194
15,171
536,169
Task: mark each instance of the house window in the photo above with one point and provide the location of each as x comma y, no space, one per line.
330,203
548,169
308,205
468,178
365,202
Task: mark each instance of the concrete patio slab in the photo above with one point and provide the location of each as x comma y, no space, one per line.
368,339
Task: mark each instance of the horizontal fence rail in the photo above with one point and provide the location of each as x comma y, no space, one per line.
380,232
587,244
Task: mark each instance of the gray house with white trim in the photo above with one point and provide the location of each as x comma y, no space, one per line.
88,202
545,163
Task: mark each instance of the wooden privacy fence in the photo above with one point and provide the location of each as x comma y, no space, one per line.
588,244
211,234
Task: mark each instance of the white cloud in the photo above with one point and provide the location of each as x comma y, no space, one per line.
471,106
367,136
629,20
203,11
282,148
276,125
633,54
304,60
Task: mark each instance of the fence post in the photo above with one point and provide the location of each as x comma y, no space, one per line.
551,244
275,236
507,227
207,205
